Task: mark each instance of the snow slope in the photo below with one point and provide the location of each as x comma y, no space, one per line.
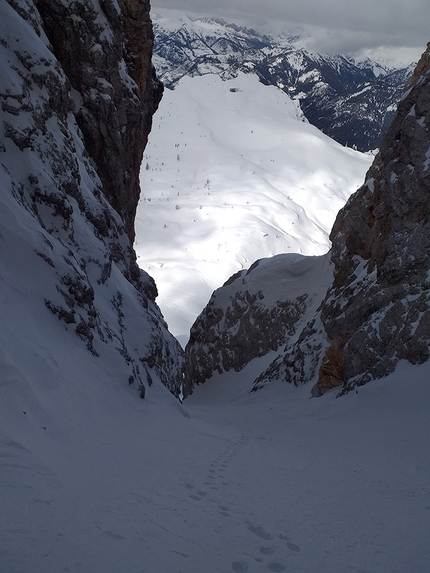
230,177
230,482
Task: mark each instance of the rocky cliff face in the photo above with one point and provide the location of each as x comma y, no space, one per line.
251,316
376,311
77,93
105,49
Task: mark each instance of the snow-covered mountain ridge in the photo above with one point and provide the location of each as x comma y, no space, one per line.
351,98
376,310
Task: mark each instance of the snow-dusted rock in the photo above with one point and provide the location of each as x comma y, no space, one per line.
69,153
377,311
255,312
105,49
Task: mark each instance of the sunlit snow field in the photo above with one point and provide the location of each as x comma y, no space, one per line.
232,173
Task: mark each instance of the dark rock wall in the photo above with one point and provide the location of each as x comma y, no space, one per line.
378,309
105,49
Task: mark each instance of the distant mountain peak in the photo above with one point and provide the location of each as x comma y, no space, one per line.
217,20
349,97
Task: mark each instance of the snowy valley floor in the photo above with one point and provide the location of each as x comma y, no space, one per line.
227,482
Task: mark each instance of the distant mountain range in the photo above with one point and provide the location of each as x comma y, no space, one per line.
353,100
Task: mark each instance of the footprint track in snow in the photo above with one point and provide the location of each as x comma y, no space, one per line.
274,549
264,553
218,467
280,544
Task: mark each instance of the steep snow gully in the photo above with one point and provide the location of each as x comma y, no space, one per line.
94,479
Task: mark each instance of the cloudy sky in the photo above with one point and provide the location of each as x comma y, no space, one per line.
336,25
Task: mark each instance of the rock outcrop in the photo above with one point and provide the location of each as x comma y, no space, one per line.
105,49
376,312
77,93
251,316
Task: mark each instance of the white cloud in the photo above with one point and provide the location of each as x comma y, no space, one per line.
335,25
